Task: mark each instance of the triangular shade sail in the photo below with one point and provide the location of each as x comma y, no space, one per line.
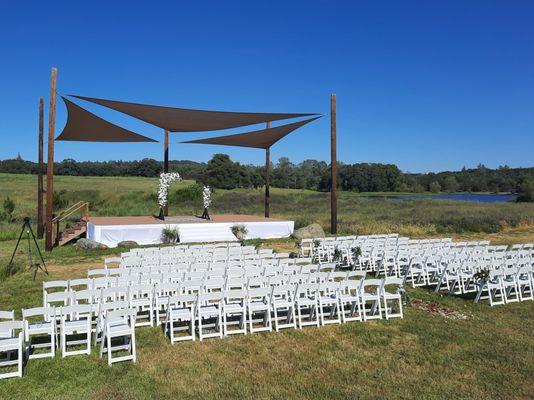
83,126
185,120
261,139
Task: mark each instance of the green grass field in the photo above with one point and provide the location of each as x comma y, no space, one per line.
424,356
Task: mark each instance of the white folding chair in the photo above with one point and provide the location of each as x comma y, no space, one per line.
180,309
259,302
283,307
75,321
119,324
328,302
142,299
40,321
234,312
209,315
12,342
370,293
392,299
349,300
306,304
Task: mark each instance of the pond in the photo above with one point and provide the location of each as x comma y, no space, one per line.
481,198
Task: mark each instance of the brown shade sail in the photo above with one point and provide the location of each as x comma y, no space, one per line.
83,126
185,120
262,139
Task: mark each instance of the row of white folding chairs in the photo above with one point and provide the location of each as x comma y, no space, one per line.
68,323
139,262
134,261
149,297
257,309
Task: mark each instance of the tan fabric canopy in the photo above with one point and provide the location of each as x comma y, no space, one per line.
185,120
262,139
83,126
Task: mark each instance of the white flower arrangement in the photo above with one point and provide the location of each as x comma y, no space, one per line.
165,180
206,196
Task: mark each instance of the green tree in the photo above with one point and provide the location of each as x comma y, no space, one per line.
450,184
526,190
434,187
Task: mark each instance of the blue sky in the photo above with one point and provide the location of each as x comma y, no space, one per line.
426,85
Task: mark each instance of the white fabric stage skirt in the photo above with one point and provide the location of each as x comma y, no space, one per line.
144,234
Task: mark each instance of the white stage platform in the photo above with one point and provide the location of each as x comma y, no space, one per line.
148,230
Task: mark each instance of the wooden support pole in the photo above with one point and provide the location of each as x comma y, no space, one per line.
333,165
50,161
267,178
166,164
40,225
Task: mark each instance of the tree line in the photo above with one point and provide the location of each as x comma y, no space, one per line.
222,172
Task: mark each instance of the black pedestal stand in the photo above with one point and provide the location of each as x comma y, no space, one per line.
205,214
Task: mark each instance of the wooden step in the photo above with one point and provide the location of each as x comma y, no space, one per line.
71,233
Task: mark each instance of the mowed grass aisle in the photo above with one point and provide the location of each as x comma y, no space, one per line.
426,355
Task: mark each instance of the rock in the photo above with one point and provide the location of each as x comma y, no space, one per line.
128,244
309,232
87,244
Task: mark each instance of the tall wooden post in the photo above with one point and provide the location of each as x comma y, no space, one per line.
40,226
166,164
267,177
333,165
50,161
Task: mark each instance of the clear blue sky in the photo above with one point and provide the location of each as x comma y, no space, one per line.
426,85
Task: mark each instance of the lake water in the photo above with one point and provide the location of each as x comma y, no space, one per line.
481,198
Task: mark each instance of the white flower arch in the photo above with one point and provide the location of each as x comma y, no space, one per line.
206,196
165,180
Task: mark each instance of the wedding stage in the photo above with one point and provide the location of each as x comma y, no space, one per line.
148,230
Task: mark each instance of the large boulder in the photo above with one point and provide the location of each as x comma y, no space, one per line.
88,244
309,232
129,244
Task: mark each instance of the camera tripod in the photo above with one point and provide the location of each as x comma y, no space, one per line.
29,232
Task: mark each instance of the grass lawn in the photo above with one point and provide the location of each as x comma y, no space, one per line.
425,355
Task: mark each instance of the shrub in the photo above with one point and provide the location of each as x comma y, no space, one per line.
191,193
434,187
170,235
9,208
239,231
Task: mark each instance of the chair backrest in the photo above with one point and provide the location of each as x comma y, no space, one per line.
9,328
261,293
56,285
7,315
87,296
128,314
80,284
45,312
76,311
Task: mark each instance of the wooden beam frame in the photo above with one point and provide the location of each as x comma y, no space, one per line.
166,164
40,167
50,161
267,178
333,165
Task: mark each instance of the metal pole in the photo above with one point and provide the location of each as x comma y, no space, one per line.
267,178
333,165
50,161
166,163
40,225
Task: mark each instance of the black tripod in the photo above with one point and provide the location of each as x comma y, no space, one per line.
29,231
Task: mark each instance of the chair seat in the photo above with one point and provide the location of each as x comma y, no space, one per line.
389,295
370,296
40,327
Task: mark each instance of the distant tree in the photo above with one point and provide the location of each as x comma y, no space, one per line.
434,187
450,184
526,190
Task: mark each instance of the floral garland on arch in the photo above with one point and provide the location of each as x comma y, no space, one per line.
206,199
165,180
206,196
